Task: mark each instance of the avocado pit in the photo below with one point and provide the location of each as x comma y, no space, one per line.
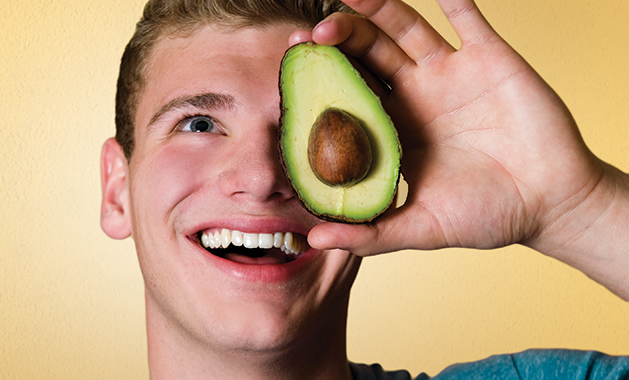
339,151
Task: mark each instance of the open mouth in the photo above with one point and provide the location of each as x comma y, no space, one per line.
253,248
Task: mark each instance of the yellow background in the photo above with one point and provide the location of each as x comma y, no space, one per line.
71,299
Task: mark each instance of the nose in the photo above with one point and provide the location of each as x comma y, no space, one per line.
254,172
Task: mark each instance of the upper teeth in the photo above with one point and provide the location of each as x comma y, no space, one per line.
286,241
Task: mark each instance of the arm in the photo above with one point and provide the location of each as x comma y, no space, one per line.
492,156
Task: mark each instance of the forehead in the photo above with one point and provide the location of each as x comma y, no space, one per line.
237,62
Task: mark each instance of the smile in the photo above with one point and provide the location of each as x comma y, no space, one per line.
280,245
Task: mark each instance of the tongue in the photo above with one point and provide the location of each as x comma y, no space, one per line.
274,256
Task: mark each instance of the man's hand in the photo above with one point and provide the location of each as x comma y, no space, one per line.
492,156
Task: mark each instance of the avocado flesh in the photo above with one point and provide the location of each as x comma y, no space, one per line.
314,78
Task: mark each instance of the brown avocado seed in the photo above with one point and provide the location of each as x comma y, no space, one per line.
338,148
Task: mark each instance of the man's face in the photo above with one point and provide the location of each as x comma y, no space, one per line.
206,161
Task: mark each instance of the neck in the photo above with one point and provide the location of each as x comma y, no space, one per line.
318,352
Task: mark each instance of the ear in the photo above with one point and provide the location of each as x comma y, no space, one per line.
115,216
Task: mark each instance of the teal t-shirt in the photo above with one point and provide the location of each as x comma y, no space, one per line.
527,365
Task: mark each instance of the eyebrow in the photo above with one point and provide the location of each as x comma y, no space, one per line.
207,101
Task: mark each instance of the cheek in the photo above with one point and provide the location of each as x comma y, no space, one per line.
169,176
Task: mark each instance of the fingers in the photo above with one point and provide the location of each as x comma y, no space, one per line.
404,26
392,35
299,36
358,37
467,21
390,38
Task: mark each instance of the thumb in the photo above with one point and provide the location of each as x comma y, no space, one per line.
394,231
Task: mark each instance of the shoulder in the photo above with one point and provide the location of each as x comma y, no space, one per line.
526,365
539,364
376,372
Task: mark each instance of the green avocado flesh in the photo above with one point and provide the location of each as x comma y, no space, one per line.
316,78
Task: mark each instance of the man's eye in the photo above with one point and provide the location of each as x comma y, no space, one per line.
198,124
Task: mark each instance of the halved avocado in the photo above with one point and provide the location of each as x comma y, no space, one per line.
324,98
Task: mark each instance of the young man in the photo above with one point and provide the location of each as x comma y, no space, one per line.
195,158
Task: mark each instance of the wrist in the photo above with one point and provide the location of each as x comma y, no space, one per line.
591,230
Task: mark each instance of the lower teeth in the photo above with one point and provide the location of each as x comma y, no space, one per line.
251,253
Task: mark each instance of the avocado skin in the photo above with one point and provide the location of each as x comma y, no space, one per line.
307,90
